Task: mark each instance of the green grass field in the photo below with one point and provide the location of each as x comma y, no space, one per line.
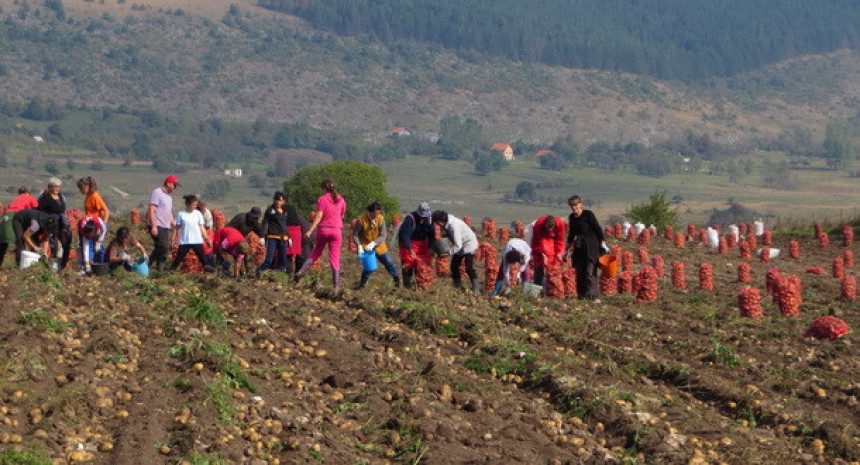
453,185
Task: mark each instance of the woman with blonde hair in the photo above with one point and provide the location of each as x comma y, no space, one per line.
331,208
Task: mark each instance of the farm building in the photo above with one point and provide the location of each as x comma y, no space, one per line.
507,150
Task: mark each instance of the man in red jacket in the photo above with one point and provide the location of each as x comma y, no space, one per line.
547,245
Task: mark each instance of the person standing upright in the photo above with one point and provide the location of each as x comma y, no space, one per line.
159,220
414,238
369,234
331,208
585,242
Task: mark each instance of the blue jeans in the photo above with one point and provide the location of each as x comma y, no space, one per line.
273,247
387,262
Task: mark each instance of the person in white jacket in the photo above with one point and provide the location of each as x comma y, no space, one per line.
464,244
516,251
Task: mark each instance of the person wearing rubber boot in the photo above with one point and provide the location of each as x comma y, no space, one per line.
414,238
331,208
369,234
464,244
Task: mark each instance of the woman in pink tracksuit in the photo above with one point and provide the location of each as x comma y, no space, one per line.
331,208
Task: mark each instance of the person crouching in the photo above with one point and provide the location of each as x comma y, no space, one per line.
464,244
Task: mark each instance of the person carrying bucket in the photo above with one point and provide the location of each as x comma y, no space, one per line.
32,224
119,250
369,234
585,244
24,201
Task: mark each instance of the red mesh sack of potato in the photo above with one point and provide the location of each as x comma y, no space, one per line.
668,232
631,234
608,230
647,285
749,301
553,282
259,251
619,230
723,246
643,255
658,264
823,241
616,250
488,227
753,241
680,241
443,264
744,272
74,217
706,277
767,237
504,234
703,236
742,229
218,219
134,217
679,278
786,296
625,282
568,277
468,221
770,280
513,274
608,285
395,220
764,255
798,287
793,249
486,252
816,270
644,237
691,230
519,229
837,269
731,240
849,288
627,261
819,230
848,259
491,272
424,275
745,250
847,235
827,327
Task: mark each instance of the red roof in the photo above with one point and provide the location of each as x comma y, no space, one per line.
398,130
501,146
541,153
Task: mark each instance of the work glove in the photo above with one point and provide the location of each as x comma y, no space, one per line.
289,243
371,246
604,249
88,268
262,241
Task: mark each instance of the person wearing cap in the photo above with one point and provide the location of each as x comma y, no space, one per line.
464,244
159,220
369,234
247,223
331,208
24,201
53,202
231,248
414,237
515,251
547,245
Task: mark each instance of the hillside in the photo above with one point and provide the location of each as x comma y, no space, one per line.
204,370
206,60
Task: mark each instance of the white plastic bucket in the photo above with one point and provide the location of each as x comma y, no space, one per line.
532,289
28,259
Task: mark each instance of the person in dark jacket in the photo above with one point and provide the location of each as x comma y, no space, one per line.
53,202
274,230
247,223
585,244
414,238
30,224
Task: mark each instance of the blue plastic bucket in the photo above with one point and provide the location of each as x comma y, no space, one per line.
141,267
368,261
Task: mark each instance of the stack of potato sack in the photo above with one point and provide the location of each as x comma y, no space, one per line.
749,301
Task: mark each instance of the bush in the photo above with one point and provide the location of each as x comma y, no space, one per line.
359,183
657,211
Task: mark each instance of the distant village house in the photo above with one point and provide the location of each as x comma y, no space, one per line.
399,132
233,172
543,152
507,150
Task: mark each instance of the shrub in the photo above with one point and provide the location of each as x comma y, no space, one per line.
656,211
358,183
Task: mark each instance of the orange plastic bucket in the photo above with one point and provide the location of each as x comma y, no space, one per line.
609,265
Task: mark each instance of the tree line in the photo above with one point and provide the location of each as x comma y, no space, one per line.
671,39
